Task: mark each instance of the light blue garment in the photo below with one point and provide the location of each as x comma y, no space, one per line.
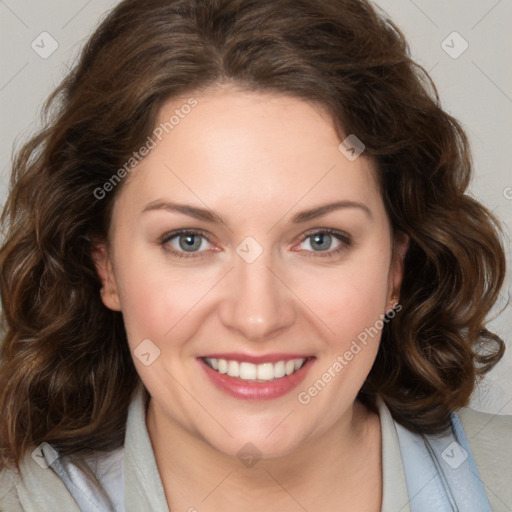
109,471
440,471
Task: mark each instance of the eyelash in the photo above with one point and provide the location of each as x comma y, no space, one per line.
345,240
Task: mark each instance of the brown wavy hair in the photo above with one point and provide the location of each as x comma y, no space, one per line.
66,374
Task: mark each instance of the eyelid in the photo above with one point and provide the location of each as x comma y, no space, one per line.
184,231
344,238
167,237
336,232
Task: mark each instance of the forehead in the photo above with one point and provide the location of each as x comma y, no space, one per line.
248,150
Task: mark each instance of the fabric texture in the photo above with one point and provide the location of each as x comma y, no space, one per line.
131,481
441,472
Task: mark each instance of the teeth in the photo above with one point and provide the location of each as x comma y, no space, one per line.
223,366
265,371
279,370
233,368
249,371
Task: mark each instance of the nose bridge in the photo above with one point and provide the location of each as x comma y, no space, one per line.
257,303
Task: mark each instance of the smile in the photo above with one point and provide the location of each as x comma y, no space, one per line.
255,372
265,378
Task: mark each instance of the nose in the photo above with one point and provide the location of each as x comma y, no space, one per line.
258,303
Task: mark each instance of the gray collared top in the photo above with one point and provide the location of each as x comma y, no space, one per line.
131,479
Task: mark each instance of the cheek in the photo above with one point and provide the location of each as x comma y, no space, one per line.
153,298
351,297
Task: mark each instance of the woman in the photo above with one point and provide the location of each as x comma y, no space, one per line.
241,273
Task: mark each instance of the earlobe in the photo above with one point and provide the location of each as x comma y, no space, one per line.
103,264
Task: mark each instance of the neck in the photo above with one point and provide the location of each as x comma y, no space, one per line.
339,460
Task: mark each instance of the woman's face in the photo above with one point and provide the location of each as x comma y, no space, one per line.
264,273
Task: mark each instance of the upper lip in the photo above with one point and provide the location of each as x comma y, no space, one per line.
266,358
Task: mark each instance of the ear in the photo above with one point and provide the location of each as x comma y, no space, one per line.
102,261
400,247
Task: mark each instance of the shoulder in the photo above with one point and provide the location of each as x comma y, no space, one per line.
9,499
490,439
33,488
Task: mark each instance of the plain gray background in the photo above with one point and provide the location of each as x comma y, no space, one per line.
465,45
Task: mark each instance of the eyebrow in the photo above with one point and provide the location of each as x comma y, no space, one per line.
207,215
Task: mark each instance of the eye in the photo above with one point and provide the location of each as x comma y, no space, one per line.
185,243
193,243
321,242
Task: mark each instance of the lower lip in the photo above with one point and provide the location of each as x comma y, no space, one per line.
246,390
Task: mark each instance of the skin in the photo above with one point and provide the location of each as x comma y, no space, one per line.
257,160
